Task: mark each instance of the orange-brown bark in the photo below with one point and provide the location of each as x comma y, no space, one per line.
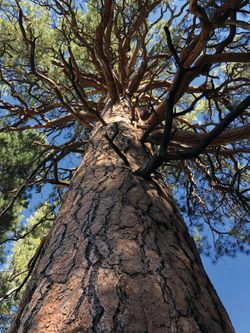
188,138
119,257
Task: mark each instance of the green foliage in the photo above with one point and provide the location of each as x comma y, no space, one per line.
19,156
16,268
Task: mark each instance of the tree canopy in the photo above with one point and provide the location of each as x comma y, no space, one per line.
184,66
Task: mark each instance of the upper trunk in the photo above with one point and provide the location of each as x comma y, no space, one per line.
119,257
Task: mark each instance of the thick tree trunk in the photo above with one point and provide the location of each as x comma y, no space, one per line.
119,258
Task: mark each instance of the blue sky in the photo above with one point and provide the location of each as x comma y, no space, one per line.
230,277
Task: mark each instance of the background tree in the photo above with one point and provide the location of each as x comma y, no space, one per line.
177,75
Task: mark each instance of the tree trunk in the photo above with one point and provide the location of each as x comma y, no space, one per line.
119,257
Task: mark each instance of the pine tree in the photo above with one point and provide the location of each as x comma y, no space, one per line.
153,95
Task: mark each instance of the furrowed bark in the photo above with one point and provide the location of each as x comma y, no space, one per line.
119,257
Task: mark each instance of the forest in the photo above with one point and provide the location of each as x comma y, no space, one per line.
124,156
